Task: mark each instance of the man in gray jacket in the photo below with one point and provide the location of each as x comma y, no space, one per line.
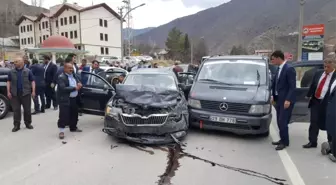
20,90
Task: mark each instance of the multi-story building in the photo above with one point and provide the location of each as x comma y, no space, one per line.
95,29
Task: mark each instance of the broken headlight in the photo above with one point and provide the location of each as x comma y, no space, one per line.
113,111
176,117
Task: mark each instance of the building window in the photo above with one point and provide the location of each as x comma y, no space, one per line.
74,19
70,20
105,23
40,26
31,27
61,21
44,37
25,41
24,29
66,34
43,25
56,23
102,50
71,34
21,29
106,37
31,40
47,36
27,28
106,51
21,41
40,39
79,47
65,21
62,33
75,34
101,36
101,22
47,24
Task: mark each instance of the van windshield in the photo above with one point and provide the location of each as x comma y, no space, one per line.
234,72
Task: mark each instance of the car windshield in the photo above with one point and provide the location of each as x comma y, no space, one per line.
157,80
234,72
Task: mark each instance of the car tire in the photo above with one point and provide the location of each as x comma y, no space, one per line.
265,134
4,106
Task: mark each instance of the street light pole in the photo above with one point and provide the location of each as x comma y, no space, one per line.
122,18
299,52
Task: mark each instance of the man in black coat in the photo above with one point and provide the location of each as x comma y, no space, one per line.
49,74
67,93
318,94
38,72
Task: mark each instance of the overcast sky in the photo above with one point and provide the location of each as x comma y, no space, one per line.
154,13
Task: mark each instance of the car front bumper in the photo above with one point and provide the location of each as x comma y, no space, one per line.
155,134
245,124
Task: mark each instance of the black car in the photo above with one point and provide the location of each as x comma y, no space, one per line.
149,107
4,101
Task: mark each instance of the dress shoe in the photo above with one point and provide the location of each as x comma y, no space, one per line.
35,112
332,158
276,142
280,147
61,135
310,145
77,130
42,111
15,129
325,148
29,127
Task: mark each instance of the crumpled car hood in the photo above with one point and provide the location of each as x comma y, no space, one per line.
144,95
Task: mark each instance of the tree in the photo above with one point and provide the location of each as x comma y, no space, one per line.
240,50
186,49
173,44
200,50
233,51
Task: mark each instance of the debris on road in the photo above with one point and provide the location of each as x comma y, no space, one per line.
114,146
64,142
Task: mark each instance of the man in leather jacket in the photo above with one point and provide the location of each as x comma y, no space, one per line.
67,92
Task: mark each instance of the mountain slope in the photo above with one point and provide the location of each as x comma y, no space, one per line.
137,32
10,12
239,21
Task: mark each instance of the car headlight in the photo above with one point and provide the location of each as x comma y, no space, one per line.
260,109
176,117
113,111
194,103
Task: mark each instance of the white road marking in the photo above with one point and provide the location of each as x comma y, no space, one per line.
290,167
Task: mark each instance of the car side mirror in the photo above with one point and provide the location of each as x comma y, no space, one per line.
106,87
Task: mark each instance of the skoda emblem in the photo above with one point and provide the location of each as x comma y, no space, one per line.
223,106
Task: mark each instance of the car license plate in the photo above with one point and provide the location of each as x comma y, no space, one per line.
223,119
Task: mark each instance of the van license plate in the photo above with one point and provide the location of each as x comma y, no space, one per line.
223,119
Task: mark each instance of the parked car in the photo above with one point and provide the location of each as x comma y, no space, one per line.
4,101
149,107
232,93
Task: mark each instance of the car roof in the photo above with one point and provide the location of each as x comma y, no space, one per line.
237,57
152,71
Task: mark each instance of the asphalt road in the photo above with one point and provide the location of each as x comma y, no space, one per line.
38,157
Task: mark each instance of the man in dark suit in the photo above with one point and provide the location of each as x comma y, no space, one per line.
94,68
283,94
38,72
330,146
67,92
318,94
49,74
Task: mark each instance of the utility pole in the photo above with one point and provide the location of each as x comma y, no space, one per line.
121,34
191,51
299,52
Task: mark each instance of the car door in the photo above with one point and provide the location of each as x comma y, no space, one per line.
305,72
95,93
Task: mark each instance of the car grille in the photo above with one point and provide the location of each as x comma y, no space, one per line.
155,119
232,107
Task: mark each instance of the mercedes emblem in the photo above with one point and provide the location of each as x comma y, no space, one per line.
223,106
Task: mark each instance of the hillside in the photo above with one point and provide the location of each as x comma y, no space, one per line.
137,32
14,9
240,21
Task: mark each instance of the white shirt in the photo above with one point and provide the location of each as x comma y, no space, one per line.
333,85
326,84
280,68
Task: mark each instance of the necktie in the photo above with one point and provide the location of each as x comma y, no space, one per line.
320,86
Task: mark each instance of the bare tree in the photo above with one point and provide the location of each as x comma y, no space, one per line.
34,2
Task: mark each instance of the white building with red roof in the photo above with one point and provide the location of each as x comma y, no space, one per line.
95,29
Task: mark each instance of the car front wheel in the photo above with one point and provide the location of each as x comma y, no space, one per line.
4,106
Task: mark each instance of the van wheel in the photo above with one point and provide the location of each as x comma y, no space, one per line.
4,106
266,134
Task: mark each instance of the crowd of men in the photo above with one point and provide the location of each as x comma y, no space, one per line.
35,81
322,103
